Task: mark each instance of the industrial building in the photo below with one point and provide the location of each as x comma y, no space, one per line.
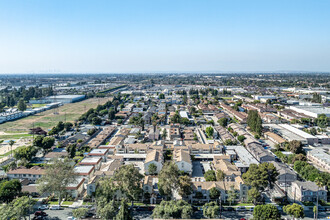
65,98
312,111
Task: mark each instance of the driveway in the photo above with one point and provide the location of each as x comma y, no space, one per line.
197,169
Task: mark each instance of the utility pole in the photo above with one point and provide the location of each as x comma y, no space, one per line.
32,131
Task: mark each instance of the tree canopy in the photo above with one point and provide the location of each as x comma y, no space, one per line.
173,209
266,212
58,175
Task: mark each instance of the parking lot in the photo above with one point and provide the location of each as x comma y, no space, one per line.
57,214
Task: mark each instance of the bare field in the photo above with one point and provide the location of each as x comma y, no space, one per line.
47,119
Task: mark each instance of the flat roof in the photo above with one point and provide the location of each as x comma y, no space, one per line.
314,109
297,131
142,156
98,151
65,96
90,160
83,169
244,155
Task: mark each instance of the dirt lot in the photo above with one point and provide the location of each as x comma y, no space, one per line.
48,119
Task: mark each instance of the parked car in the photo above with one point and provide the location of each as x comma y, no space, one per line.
55,207
230,209
40,213
43,207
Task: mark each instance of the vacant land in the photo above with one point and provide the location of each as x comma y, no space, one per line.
46,120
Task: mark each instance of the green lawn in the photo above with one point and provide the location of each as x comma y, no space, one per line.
87,203
244,204
67,203
53,202
227,98
14,136
37,105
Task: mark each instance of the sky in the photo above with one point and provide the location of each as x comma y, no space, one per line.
123,36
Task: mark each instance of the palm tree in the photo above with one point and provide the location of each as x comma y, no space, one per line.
319,183
11,143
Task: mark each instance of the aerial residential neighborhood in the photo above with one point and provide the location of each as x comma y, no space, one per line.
151,144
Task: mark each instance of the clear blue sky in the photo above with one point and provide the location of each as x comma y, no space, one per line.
164,35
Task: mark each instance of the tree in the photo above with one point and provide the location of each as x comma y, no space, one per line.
152,169
96,121
168,179
323,121
17,209
164,134
71,149
254,195
68,126
232,195
79,213
107,210
254,121
266,212
209,131
260,176
21,106
38,141
214,193
105,189
294,210
26,153
223,122
111,114
47,143
211,210
295,147
161,96
173,209
129,180
229,142
210,175
185,186
124,213
92,131
11,143
241,138
9,190
58,175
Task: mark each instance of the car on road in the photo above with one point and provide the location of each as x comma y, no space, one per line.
43,207
55,207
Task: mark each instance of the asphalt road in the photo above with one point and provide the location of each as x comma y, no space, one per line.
146,215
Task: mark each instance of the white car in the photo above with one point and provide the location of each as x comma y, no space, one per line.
43,207
55,207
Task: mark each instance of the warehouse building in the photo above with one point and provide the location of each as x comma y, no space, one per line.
312,111
65,98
